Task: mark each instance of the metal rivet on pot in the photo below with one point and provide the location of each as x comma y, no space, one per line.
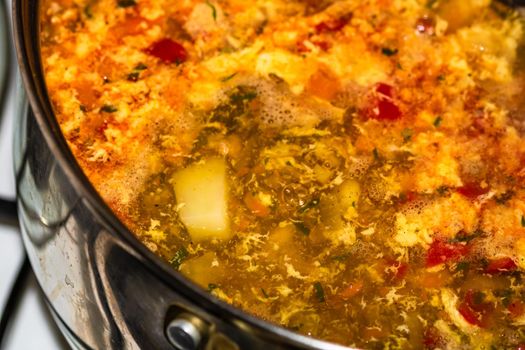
183,334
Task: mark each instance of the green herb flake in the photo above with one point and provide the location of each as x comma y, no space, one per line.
178,258
108,108
522,221
213,10
212,286
140,66
438,121
126,3
133,76
88,11
83,108
342,257
462,266
407,134
375,152
229,77
440,77
388,51
504,197
302,228
264,293
442,190
319,292
463,237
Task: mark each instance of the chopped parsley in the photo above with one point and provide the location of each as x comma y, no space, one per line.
108,108
133,76
504,197
213,10
388,51
179,257
462,266
375,152
302,228
126,3
407,134
463,237
437,121
212,286
319,292
140,66
522,221
229,77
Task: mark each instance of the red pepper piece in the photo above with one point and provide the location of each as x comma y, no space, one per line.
385,90
501,265
168,51
387,110
468,314
441,252
333,25
472,190
475,312
383,106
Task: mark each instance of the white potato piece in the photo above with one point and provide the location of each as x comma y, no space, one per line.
202,198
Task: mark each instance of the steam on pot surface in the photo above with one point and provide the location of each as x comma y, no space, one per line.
351,170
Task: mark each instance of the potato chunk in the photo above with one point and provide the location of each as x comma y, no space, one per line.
202,196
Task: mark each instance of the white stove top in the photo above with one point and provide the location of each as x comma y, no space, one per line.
32,326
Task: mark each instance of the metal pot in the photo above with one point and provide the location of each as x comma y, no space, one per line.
105,289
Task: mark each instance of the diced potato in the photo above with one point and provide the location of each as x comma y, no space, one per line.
202,196
203,270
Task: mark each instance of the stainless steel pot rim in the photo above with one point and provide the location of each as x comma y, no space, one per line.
25,32
4,49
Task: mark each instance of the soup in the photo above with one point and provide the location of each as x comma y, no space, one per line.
350,170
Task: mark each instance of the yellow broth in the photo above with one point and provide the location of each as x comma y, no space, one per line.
351,170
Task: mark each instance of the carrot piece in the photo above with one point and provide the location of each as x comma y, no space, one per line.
255,206
351,290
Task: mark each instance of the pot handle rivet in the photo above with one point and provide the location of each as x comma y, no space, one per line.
183,334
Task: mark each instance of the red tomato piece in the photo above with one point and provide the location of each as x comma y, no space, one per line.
441,252
168,51
501,265
472,190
